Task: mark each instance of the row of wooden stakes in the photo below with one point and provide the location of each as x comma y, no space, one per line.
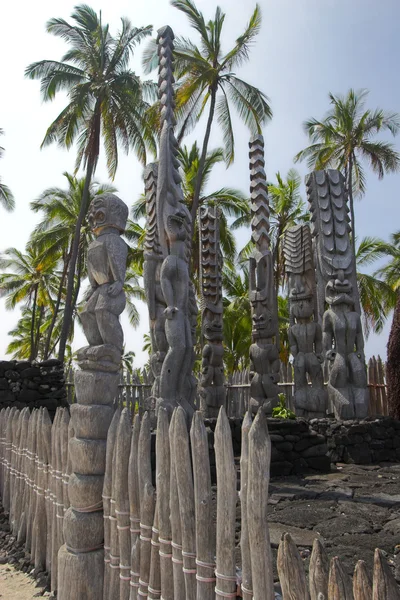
162,539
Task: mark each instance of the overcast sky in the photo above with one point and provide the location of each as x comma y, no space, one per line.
306,49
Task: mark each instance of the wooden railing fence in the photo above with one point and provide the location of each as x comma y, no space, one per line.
161,538
135,389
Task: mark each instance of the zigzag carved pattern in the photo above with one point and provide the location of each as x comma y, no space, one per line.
259,194
210,260
152,243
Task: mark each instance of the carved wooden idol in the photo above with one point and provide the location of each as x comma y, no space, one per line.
169,292
305,333
264,351
211,384
343,339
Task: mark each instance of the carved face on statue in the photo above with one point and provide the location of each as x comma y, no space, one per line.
176,227
302,308
264,325
213,330
339,291
107,210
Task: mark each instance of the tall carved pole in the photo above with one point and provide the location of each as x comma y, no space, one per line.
264,351
342,334
81,559
174,225
153,259
211,384
305,333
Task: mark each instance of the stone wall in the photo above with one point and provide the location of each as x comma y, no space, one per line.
361,442
35,384
296,446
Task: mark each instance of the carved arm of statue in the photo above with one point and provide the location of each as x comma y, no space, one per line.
327,336
93,283
168,292
117,252
293,343
318,343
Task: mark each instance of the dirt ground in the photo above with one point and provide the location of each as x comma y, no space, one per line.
15,585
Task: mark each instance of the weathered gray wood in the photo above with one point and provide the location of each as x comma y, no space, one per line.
362,585
291,571
179,581
340,585
31,478
122,508
318,572
257,501
226,509
247,585
155,574
40,521
147,503
56,496
6,492
24,487
184,478
205,540
384,586
107,490
114,538
163,465
134,502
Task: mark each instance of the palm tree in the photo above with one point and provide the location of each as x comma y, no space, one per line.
344,139
54,235
206,76
6,196
377,291
237,324
106,99
232,202
33,281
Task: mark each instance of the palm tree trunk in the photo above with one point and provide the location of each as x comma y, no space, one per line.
56,308
38,326
196,196
392,366
32,353
68,311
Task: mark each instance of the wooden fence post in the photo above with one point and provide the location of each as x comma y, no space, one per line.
122,509
257,502
147,503
318,572
107,492
134,502
385,586
247,585
163,466
179,581
226,509
291,571
340,585
202,492
362,586
184,481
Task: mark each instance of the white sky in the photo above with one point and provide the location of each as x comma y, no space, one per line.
306,49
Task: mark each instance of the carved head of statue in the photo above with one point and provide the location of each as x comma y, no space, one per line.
302,308
339,290
212,329
264,323
107,210
175,225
